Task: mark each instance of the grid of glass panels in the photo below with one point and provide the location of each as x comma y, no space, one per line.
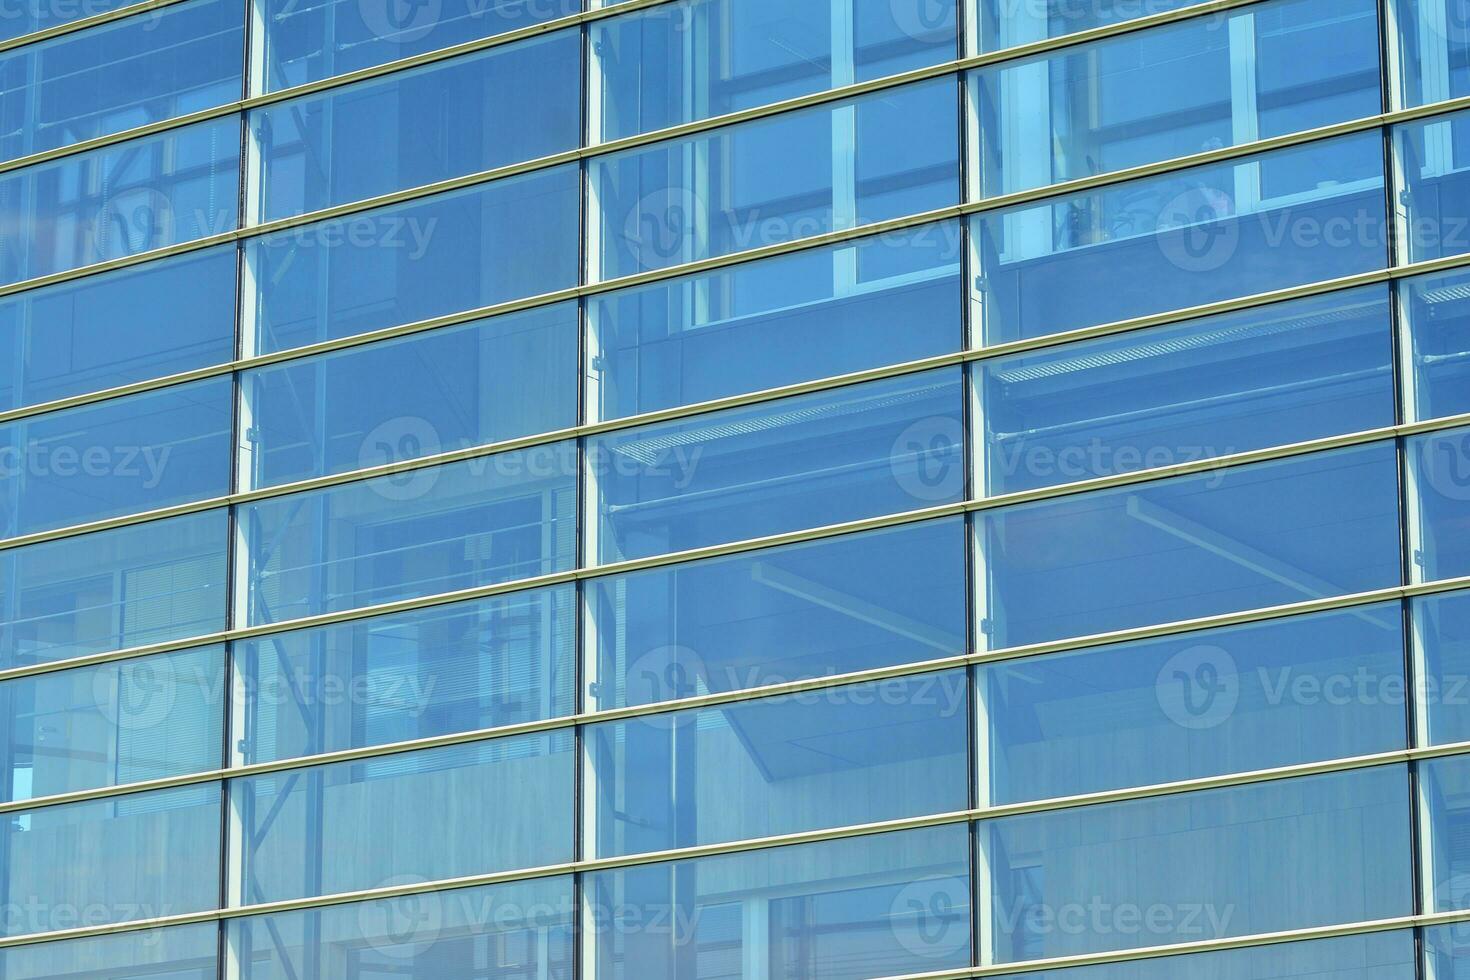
260,644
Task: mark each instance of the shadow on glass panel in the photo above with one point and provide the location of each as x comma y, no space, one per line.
1439,468
1437,310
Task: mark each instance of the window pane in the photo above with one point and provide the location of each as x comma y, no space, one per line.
1202,704
112,78
179,953
131,857
443,254
115,723
874,906
829,607
811,314
525,927
123,456
1442,633
1433,159
1225,384
416,533
455,668
1434,50
1171,91
847,164
1437,309
1440,468
700,58
103,331
1005,23
121,200
478,808
1243,538
457,117
876,448
305,42
827,758
432,392
1293,216
1445,790
29,16
1250,859
110,590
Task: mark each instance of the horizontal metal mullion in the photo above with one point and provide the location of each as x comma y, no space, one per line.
85,23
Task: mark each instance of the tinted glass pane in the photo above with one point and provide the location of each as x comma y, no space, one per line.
1269,376
1440,466
1006,23
1434,50
443,254
488,806
830,607
876,448
1280,219
110,590
843,165
1442,632
180,953
1201,704
1437,309
877,906
457,117
121,200
1251,859
104,331
1175,90
527,926
115,723
109,79
454,668
1446,951
123,456
1433,157
130,857
416,533
828,758
796,317
679,62
28,16
1242,538
428,393
1445,789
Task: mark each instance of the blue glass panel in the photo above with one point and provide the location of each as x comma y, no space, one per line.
1433,49
886,905
1252,697
876,448
110,590
1260,858
138,856
806,315
679,62
1433,157
121,200
1442,632
1225,384
477,808
307,41
1437,309
829,607
1280,219
443,254
526,926
478,112
1247,537
455,668
1446,951
1006,23
1440,465
179,953
842,165
1175,90
135,71
415,533
1445,790
855,754
28,16
116,723
103,331
123,456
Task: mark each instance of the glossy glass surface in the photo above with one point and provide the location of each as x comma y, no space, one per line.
1442,635
1247,537
797,317
427,393
1006,23
1260,858
110,590
844,755
1445,792
1439,467
477,112
455,668
1280,219
1437,310
829,607
1433,160
885,905
477,808
180,953
876,448
1200,704
1433,50
1269,376
29,16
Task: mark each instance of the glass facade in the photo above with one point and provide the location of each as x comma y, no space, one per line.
694,489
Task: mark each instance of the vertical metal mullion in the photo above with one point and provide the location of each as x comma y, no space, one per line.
581,936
